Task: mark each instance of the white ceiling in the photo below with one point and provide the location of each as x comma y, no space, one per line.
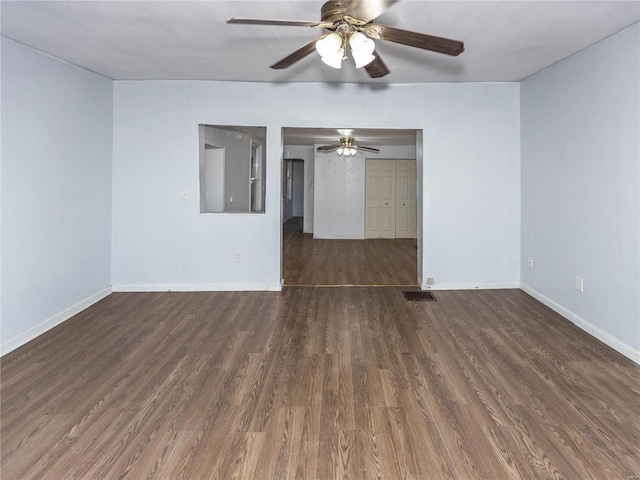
189,40
167,40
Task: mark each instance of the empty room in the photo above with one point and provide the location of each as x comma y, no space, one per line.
372,239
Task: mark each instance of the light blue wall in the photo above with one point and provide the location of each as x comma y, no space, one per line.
580,186
471,195
471,177
56,189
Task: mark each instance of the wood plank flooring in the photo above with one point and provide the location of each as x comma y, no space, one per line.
308,261
319,383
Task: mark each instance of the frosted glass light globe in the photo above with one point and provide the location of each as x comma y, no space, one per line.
362,49
331,50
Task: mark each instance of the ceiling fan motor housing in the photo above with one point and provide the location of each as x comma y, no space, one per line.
333,11
346,142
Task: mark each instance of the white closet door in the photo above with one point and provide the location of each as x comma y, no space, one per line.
413,184
372,200
387,199
406,199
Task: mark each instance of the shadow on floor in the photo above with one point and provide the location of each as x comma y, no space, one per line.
293,225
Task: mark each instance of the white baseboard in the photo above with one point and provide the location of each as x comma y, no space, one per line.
471,286
606,338
199,287
338,237
48,324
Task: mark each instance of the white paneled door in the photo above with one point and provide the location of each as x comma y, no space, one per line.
387,198
406,199
372,199
391,201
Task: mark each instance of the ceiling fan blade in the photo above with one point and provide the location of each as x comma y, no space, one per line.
367,10
377,68
368,149
299,54
418,40
328,148
268,21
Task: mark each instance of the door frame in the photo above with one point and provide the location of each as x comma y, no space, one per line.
420,226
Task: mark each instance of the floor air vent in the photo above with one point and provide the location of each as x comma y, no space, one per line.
421,296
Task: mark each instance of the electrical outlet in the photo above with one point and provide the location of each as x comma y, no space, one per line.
185,194
579,284
530,262
238,256
430,281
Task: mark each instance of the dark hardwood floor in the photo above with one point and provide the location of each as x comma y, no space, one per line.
387,262
319,383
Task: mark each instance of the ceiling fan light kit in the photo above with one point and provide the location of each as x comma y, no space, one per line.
351,22
347,152
332,49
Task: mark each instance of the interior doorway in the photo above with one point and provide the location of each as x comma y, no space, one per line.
333,248
293,195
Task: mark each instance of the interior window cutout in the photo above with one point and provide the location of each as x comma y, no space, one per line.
232,168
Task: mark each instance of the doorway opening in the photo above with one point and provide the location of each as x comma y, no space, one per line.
336,246
293,195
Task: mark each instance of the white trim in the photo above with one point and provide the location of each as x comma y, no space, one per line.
606,338
199,287
28,335
471,286
338,237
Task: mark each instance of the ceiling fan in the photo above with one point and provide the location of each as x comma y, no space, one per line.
347,148
349,23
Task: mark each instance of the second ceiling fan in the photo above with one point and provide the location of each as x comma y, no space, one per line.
350,25
347,148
